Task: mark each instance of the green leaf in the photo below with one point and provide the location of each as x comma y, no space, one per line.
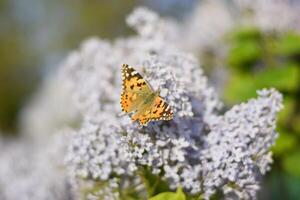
285,114
244,54
245,48
296,124
284,144
178,195
283,78
246,33
291,163
243,86
239,88
153,183
289,45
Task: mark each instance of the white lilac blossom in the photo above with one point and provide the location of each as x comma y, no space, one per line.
51,109
200,150
263,13
206,26
31,171
96,152
236,150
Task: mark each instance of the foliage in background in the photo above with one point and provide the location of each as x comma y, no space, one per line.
18,71
245,45
262,59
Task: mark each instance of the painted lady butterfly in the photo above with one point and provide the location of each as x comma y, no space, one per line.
140,99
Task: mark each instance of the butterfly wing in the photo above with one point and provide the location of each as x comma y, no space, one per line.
135,89
159,110
133,98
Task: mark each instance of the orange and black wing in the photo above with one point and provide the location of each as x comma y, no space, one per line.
160,110
133,86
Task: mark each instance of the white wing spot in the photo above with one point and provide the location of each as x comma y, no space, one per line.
133,73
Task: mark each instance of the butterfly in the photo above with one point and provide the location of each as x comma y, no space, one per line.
140,99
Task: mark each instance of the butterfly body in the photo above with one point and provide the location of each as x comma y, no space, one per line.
141,100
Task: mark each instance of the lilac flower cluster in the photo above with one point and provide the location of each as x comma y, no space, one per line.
237,147
201,149
34,171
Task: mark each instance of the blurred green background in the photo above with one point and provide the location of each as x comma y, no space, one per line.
36,35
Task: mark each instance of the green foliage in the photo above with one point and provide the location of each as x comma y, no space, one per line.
250,33
291,163
284,144
153,183
296,124
243,86
158,189
243,55
240,86
245,49
289,45
17,72
289,107
178,195
284,77
262,60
